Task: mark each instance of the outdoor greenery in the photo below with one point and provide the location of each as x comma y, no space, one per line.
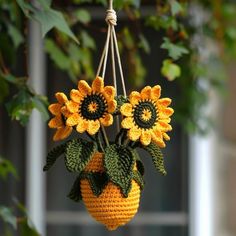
198,38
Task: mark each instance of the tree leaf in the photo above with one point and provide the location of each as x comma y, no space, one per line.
170,70
6,168
39,104
175,7
157,157
75,192
15,35
144,44
83,16
49,19
119,163
78,153
175,51
53,155
7,216
26,228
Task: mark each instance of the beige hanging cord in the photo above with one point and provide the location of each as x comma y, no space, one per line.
111,20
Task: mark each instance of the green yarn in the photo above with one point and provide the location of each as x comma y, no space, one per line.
53,155
139,179
75,192
119,163
139,163
157,157
120,99
97,181
78,153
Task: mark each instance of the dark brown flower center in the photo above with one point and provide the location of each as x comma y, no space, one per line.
145,114
93,107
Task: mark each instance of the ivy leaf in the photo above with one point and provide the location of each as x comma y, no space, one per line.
15,35
75,192
78,153
6,168
97,181
119,163
170,70
157,157
50,19
175,51
83,16
39,103
7,216
175,7
53,155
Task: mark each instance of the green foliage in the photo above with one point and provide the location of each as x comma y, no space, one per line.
75,193
170,70
157,157
175,51
6,214
78,153
119,163
53,155
47,17
139,179
6,168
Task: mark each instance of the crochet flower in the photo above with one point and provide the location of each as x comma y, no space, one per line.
60,112
147,117
91,106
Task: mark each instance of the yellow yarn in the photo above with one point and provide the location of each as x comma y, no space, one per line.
110,208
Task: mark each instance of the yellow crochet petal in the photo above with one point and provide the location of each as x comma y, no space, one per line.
55,122
127,123
61,98
98,85
107,120
146,92
93,127
164,126
83,87
111,106
55,108
134,133
73,119
109,92
166,136
134,97
145,137
156,92
75,95
126,109
164,102
157,138
165,113
65,112
72,106
82,126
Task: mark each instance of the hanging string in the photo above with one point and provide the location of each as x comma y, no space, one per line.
111,40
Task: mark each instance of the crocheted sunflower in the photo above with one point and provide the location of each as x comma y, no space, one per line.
147,117
59,121
91,107
109,172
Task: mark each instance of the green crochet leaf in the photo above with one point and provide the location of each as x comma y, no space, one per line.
138,178
157,157
53,155
75,192
139,163
78,153
119,163
98,181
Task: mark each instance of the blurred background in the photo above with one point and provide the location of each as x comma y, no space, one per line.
188,47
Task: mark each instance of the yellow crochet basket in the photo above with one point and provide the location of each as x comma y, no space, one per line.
110,208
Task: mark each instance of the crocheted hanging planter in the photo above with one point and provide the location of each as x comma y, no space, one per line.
109,171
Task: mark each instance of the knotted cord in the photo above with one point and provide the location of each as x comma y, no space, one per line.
111,40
